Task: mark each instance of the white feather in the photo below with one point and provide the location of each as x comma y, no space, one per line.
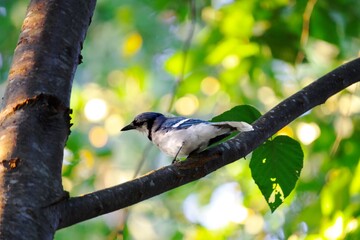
240,126
193,138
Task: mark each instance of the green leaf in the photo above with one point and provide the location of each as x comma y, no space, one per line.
244,113
275,167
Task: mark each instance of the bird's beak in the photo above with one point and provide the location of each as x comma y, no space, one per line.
128,127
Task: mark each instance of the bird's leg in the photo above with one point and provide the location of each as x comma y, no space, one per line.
175,158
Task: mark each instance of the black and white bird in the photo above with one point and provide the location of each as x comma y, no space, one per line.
179,136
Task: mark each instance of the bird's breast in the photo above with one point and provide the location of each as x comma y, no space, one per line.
193,138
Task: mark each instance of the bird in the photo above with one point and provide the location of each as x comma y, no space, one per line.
180,136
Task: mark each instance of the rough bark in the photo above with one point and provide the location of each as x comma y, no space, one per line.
78,209
34,118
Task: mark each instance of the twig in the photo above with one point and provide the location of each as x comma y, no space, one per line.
185,52
305,30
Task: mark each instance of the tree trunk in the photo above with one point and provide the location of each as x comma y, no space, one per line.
35,118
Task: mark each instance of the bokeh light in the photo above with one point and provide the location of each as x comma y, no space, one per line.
132,44
344,127
187,105
323,52
335,230
287,131
98,136
254,224
95,110
210,85
352,225
267,96
225,207
231,61
307,132
349,104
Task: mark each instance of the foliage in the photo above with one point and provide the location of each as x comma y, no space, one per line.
275,167
244,113
254,52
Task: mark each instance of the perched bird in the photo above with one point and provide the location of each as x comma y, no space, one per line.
179,136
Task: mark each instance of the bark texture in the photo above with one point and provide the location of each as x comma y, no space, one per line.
34,117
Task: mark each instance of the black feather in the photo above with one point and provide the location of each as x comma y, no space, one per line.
218,138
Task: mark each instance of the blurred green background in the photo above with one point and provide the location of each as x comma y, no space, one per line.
253,52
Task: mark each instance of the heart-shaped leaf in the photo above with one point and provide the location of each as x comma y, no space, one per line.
275,167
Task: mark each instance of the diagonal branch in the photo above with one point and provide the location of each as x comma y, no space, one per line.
79,209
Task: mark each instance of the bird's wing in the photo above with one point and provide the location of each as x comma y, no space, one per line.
238,126
181,122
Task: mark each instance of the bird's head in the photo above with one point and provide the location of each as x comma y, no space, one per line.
143,122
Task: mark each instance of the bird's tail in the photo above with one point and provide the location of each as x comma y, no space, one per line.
239,126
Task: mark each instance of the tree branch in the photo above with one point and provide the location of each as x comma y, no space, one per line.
78,209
